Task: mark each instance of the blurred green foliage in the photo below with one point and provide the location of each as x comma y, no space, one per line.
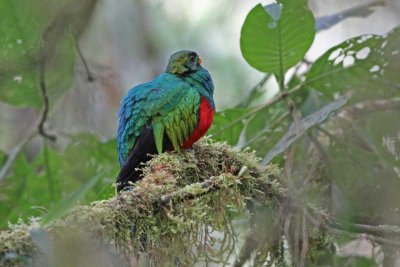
21,29
35,188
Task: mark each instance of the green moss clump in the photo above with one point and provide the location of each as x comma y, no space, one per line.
180,212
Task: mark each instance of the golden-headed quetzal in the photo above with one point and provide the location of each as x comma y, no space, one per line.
168,113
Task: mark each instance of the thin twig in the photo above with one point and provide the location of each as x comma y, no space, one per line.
363,108
378,230
90,76
375,233
255,88
296,242
291,153
296,115
267,104
269,128
46,102
307,61
377,239
304,245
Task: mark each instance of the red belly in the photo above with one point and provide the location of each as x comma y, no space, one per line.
206,115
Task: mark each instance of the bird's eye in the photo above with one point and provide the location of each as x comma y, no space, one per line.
192,57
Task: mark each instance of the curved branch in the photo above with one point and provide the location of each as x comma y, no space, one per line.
46,102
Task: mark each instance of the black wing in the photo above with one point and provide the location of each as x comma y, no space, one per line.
145,146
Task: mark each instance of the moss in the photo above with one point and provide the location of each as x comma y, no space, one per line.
171,213
15,244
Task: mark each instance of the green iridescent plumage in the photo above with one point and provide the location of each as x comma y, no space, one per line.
169,104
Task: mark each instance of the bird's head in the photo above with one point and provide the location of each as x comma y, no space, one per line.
183,62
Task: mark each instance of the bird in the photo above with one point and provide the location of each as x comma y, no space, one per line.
169,113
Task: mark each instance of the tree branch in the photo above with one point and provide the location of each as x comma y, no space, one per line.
90,76
376,230
365,107
172,198
46,102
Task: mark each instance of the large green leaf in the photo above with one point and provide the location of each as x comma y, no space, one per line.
276,37
368,66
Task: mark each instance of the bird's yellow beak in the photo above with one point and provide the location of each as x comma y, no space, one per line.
200,60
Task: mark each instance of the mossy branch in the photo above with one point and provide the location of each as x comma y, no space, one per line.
182,199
